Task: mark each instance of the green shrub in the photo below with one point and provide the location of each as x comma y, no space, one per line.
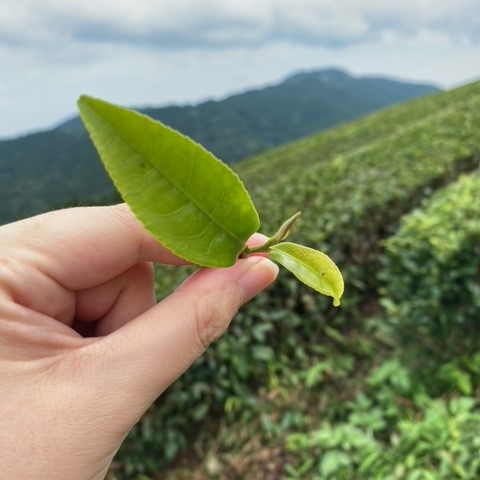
432,279
438,441
353,184
353,187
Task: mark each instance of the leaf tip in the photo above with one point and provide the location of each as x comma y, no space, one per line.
82,98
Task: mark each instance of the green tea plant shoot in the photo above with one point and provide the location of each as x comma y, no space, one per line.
193,203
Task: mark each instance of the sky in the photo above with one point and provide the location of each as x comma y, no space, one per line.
160,52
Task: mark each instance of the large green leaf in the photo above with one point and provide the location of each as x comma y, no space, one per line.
191,202
312,267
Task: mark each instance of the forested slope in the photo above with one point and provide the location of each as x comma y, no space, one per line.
59,167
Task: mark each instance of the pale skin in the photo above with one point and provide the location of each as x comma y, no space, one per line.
84,348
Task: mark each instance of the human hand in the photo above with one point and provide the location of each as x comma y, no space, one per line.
84,350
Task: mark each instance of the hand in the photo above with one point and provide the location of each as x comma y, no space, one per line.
84,350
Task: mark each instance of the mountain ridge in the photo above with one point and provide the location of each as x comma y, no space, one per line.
59,167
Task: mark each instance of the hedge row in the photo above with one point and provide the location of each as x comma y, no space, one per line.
432,280
353,199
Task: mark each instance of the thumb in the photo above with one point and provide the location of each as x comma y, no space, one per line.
146,355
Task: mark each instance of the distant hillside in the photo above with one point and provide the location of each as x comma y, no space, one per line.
46,170
255,121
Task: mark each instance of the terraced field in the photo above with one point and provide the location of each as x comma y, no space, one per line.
329,393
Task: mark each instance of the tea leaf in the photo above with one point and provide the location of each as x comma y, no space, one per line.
312,267
191,202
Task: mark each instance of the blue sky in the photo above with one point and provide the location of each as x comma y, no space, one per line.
157,52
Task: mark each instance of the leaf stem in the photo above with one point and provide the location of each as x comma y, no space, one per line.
282,234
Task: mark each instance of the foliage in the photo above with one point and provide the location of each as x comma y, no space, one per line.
432,284
190,201
195,206
390,430
353,183
428,440
312,267
353,187
59,167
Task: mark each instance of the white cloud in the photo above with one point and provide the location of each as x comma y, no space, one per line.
164,51
181,24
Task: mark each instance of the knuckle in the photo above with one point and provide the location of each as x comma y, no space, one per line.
213,314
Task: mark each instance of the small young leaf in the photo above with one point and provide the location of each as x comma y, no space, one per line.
312,267
191,202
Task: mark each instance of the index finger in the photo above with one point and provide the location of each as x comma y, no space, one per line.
84,246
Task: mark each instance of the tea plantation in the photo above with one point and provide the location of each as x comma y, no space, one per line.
384,387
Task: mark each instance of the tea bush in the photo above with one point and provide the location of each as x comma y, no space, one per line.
432,283
353,184
391,430
434,441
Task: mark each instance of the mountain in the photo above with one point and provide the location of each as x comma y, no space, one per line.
59,167
257,120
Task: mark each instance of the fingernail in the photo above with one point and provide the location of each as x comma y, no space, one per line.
259,275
